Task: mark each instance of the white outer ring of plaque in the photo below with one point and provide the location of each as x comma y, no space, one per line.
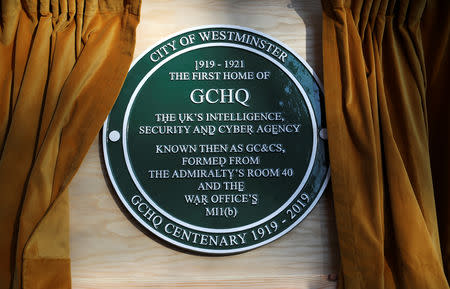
205,229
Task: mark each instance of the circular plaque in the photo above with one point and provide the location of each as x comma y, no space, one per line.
217,142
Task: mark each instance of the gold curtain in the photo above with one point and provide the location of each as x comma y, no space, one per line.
386,68
62,64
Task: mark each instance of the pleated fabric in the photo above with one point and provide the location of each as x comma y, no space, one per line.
62,64
386,71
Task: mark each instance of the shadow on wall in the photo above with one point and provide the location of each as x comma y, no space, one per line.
311,14
312,18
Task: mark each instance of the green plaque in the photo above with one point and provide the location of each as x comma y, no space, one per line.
217,142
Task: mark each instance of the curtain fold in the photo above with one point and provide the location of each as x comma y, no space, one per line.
385,68
62,65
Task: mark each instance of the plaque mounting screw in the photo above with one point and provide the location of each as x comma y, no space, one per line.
114,136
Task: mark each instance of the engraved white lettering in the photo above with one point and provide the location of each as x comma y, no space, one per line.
205,239
221,95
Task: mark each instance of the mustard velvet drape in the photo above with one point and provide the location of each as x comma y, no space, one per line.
62,64
386,77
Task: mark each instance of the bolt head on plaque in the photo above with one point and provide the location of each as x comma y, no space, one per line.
217,142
